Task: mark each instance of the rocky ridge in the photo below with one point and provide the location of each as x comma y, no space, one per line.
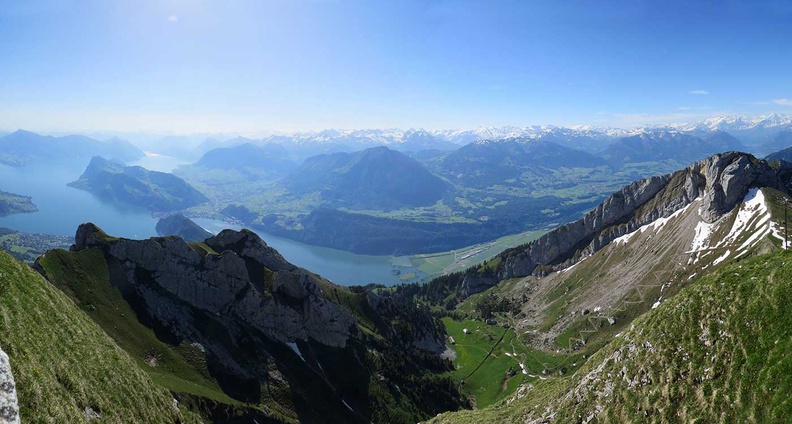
720,181
231,281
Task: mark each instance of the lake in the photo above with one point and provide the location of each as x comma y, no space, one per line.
63,208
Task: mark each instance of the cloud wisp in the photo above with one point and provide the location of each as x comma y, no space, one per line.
699,92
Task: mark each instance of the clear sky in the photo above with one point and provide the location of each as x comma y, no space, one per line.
247,66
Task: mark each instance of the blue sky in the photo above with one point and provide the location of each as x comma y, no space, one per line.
252,66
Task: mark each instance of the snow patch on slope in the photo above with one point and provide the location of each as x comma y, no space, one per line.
752,218
296,350
655,225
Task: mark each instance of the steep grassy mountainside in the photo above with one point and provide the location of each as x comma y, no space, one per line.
11,203
66,368
136,186
718,351
375,178
23,147
233,328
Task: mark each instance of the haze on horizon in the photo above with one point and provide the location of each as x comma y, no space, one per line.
248,66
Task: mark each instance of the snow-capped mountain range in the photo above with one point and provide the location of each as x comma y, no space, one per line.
394,136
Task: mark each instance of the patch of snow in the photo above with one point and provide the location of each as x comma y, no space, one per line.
722,258
753,204
576,264
760,233
625,238
296,350
656,304
777,234
701,238
655,225
347,405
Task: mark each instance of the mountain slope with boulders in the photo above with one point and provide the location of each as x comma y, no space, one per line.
236,331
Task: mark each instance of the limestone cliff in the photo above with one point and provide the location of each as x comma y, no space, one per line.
721,181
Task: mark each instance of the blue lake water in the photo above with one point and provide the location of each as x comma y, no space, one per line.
63,208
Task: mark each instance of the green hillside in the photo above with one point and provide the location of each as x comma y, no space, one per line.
64,364
718,351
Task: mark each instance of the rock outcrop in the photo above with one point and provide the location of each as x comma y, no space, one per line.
244,279
9,410
721,181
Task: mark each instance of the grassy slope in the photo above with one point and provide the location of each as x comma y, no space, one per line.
490,383
716,352
64,363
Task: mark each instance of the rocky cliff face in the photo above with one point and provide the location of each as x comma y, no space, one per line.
269,329
721,181
9,411
243,278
